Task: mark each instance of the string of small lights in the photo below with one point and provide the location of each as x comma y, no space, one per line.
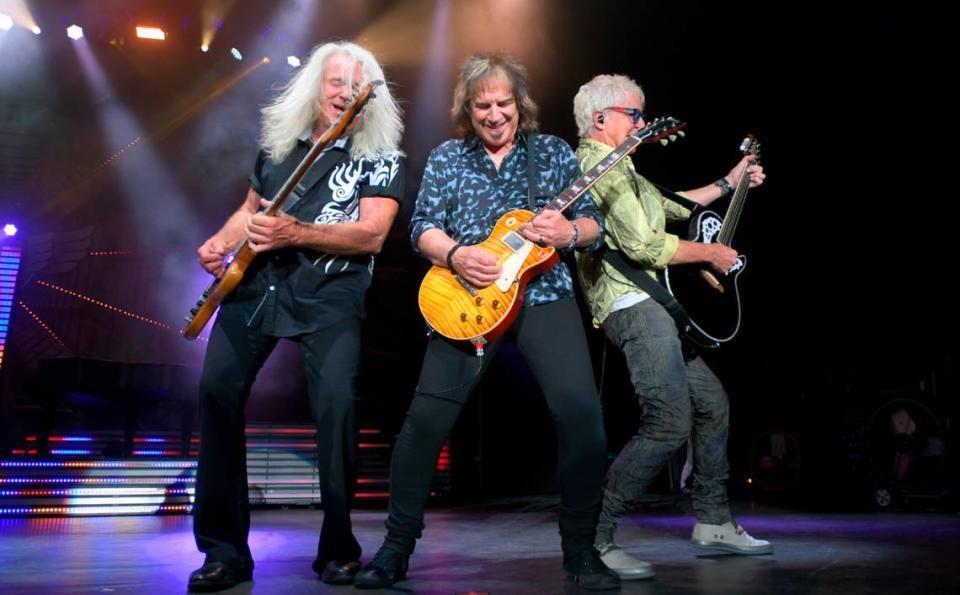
42,324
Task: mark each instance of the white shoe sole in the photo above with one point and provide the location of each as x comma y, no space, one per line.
633,575
735,549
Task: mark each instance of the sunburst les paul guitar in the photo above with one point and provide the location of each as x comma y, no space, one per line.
240,259
459,311
712,300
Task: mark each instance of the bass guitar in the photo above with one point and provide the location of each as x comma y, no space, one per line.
240,259
712,300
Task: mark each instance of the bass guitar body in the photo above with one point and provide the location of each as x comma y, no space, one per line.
711,299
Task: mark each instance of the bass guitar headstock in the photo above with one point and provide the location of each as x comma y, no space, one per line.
751,146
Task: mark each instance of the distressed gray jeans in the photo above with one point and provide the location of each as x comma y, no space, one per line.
678,400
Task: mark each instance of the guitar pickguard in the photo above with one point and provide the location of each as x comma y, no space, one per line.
510,268
709,228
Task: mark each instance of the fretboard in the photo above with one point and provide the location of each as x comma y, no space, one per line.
574,191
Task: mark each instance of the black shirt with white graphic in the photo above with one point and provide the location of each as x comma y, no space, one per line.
297,290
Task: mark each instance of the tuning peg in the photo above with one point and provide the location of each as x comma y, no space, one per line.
681,133
664,141
673,138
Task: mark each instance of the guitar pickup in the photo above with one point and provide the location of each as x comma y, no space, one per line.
513,240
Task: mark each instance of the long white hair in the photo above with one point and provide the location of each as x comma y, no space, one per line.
603,91
297,108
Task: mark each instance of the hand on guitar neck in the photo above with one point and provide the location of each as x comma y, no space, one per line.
746,165
266,232
549,228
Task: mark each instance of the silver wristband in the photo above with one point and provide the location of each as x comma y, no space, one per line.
576,236
725,187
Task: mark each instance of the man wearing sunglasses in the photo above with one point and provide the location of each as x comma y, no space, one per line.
680,397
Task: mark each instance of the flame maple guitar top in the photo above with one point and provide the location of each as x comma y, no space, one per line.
461,313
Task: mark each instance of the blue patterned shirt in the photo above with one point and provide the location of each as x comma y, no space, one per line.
464,195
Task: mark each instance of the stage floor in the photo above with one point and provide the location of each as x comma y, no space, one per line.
497,551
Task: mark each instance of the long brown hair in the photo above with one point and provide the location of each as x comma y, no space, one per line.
477,69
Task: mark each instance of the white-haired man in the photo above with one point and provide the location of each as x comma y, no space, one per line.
680,397
309,288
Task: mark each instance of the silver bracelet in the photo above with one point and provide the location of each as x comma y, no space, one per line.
576,235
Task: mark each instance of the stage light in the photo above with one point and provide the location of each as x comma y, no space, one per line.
151,33
293,61
10,230
74,32
36,30
204,48
265,60
6,22
236,53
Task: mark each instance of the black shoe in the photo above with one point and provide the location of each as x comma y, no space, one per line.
339,574
217,576
587,570
387,567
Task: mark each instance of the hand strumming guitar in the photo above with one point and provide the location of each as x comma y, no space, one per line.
476,265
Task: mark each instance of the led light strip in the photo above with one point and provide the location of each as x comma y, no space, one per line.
9,265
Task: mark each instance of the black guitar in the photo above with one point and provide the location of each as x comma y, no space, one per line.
711,299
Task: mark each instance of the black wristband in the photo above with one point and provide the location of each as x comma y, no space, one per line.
725,187
450,256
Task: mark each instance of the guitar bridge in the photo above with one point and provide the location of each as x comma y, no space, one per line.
466,285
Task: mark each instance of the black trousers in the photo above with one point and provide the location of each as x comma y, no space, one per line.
551,339
235,354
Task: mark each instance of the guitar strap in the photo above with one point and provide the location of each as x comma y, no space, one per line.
677,198
321,166
531,167
659,293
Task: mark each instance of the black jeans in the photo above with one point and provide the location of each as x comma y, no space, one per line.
551,339
235,354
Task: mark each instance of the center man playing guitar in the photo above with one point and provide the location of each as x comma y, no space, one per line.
679,396
468,183
307,284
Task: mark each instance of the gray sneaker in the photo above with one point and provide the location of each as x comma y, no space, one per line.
729,537
626,566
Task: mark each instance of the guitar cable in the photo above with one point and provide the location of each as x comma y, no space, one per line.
467,382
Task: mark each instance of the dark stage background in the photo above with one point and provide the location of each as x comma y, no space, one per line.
119,156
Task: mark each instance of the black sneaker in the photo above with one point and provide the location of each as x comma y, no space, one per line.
387,567
587,570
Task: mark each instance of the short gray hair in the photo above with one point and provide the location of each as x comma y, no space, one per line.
603,91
